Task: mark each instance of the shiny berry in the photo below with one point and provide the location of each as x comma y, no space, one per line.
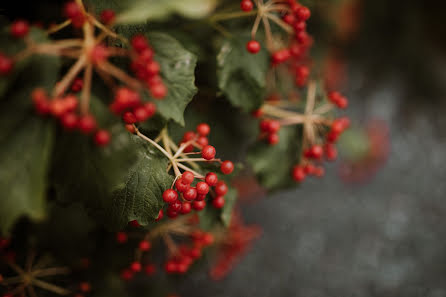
298,173
170,196
211,179
181,186
190,194
221,188
203,129
227,167
253,46
202,188
218,202
208,152
199,205
187,177
246,5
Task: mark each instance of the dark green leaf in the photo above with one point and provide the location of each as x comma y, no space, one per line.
273,164
241,75
119,183
178,72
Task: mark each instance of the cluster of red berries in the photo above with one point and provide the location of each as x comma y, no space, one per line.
296,16
269,130
128,103
317,153
136,266
146,68
65,109
193,197
186,255
337,99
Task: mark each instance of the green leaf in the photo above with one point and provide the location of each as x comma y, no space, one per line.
143,10
119,183
25,140
241,75
273,164
24,156
178,73
226,212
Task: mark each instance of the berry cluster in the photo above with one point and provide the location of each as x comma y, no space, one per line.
190,188
181,256
65,110
320,132
92,55
145,68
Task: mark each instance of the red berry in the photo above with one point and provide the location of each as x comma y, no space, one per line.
153,68
139,43
211,179
121,237
330,152
176,206
69,121
207,239
202,141
303,13
146,57
6,64
150,108
273,138
87,124
160,215
19,29
280,56
316,151
253,46
289,18
170,196
74,12
208,152
171,213
129,118
202,188
136,267
309,168
189,135
186,208
85,287
107,16
158,91
218,202
274,126
181,186
190,194
246,5
319,171
199,205
221,188
298,173
77,84
342,103
188,177
130,128
203,129
200,197
144,245
126,274
102,138
134,223
227,167
141,114
170,267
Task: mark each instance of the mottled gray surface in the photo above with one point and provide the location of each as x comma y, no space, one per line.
384,238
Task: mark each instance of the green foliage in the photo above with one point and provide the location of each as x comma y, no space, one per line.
25,140
273,164
119,183
177,69
241,75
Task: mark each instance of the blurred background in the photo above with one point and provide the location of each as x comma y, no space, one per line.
375,226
